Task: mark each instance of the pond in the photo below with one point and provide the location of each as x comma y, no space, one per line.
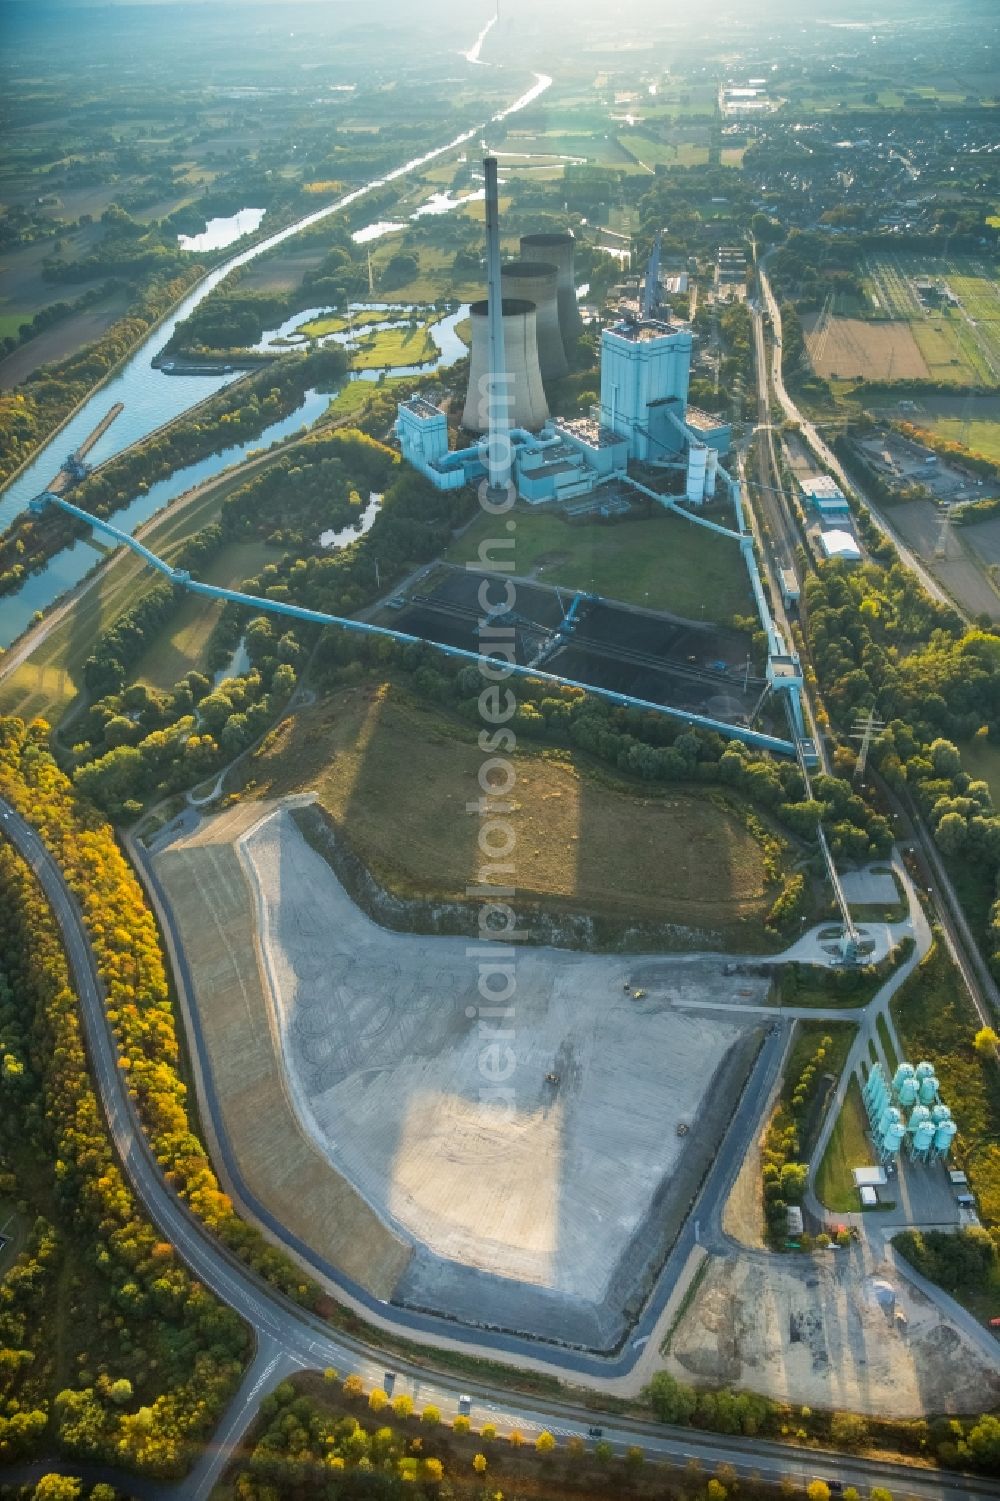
348,534
450,348
443,203
218,233
376,231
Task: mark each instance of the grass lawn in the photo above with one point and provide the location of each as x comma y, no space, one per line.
935,1019
847,1148
393,347
808,1036
662,562
183,645
395,775
979,437
435,279
885,1039
337,322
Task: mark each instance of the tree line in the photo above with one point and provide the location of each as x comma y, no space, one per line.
127,951
234,415
150,1357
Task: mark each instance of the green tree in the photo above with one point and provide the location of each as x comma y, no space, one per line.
670,1399
984,1442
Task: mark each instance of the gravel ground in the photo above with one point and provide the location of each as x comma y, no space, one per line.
387,1057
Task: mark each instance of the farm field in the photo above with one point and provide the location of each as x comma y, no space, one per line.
378,759
662,563
651,152
853,347
62,339
956,325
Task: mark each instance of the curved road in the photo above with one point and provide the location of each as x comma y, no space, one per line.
288,1338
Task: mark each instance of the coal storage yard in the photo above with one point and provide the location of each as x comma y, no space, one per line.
686,664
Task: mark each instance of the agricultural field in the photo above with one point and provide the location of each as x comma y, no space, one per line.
854,348
952,304
651,152
585,842
662,563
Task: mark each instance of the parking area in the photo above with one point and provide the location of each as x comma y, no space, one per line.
903,463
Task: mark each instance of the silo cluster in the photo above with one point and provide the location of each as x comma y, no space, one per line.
909,1108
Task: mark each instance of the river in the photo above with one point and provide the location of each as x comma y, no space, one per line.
150,397
68,567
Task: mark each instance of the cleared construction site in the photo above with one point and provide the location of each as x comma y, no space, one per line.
842,1331
351,1068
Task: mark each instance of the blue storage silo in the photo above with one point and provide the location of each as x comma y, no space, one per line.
944,1134
907,1092
928,1089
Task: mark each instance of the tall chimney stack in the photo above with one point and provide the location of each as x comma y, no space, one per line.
498,445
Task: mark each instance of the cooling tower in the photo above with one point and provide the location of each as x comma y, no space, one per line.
557,250
535,281
527,406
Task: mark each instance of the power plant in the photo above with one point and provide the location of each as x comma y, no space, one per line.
558,251
535,281
642,438
519,338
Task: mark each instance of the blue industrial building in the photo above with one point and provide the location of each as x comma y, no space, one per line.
643,418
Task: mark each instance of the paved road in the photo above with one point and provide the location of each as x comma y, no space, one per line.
958,936
826,455
290,1339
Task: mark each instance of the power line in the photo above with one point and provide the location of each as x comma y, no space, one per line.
867,727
